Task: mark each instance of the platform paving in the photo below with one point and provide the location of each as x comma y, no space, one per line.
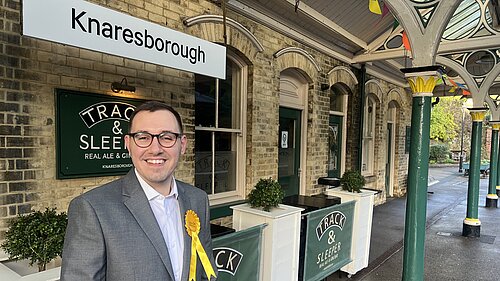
448,255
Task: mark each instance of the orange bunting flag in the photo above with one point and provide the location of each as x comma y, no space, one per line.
453,83
465,92
406,42
374,7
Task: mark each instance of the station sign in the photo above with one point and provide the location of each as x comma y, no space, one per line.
90,26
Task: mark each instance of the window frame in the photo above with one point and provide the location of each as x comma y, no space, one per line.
368,147
239,90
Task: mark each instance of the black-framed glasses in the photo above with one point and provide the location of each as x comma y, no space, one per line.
144,139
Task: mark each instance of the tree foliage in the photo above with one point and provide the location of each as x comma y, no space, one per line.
444,119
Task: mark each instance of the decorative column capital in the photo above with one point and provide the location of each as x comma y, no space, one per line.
478,113
495,125
422,80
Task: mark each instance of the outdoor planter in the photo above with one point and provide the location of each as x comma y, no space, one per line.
362,228
280,238
22,271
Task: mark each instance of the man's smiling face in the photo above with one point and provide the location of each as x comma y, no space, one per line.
155,163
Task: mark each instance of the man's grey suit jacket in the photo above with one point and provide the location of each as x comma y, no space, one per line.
112,234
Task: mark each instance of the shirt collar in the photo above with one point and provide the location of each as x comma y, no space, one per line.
151,193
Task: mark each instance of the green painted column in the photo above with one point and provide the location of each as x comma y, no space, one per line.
498,171
492,197
422,82
472,224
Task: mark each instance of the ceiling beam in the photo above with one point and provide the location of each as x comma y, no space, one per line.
329,24
285,29
444,48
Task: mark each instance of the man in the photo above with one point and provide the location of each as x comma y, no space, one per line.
134,228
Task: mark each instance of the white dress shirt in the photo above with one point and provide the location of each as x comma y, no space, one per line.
167,213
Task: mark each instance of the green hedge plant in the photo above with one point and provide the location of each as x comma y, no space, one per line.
267,194
37,237
352,181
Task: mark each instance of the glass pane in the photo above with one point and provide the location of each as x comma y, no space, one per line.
205,101
336,100
225,162
286,148
203,161
225,176
226,98
333,141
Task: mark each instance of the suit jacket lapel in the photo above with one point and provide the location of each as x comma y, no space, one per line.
137,203
184,205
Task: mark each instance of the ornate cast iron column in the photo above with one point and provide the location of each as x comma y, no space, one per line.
492,197
472,224
422,81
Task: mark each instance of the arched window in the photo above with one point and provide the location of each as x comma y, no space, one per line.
219,131
367,161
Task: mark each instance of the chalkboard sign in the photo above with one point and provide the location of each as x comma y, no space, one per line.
407,139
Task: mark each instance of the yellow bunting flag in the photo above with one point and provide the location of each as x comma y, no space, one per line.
193,228
374,7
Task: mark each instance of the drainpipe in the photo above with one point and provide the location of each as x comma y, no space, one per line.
362,81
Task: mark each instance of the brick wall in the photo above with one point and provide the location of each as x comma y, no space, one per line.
30,70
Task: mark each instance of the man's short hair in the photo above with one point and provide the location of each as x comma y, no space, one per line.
153,106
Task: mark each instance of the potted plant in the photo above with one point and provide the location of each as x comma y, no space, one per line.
37,237
352,181
279,260
267,194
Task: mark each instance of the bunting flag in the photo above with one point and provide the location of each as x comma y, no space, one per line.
374,7
454,85
385,11
406,42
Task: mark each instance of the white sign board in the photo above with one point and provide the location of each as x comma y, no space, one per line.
90,26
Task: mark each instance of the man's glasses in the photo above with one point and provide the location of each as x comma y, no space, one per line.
145,139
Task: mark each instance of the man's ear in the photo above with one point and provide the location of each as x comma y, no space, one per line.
183,144
126,138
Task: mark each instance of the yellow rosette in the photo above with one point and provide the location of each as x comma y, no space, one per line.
193,228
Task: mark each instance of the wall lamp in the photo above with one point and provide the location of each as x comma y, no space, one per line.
117,87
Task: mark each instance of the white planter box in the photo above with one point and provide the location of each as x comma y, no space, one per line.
22,271
8,274
280,239
362,226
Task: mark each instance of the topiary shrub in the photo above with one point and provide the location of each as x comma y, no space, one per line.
439,153
267,194
352,181
37,237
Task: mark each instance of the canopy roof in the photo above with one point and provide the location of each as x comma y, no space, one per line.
350,32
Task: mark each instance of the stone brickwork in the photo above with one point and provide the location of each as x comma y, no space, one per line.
31,70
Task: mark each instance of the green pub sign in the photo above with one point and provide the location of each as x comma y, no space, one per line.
328,240
89,134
